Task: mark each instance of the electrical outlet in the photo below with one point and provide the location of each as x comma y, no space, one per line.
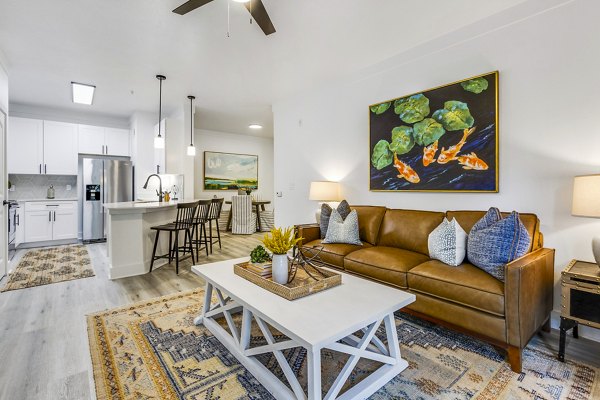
68,187
279,194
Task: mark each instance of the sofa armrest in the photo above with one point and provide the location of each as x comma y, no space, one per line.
528,295
308,233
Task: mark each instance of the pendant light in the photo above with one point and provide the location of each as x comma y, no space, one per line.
159,141
191,150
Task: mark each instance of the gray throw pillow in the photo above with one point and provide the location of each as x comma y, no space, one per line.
343,208
448,243
343,231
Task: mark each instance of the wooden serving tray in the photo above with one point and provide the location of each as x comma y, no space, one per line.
302,285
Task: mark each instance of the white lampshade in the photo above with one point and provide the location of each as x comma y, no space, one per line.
159,142
191,150
324,191
586,196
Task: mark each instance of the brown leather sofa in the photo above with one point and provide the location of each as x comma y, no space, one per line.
465,298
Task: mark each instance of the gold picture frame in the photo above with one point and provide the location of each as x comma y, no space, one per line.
443,139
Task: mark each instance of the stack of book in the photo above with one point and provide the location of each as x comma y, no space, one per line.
263,270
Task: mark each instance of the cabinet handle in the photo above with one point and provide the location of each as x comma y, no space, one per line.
157,169
18,222
45,169
54,216
106,149
102,149
40,168
49,216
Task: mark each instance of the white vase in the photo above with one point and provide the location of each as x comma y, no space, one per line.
280,268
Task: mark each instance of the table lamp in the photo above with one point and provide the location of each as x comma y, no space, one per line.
323,192
586,203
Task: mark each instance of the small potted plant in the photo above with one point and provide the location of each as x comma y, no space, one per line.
279,241
259,255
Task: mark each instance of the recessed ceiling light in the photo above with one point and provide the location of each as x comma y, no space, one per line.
255,126
82,93
241,1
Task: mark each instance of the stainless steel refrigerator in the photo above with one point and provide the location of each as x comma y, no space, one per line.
104,181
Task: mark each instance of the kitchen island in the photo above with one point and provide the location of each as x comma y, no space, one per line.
130,239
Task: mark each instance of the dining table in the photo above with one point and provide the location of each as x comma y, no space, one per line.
258,205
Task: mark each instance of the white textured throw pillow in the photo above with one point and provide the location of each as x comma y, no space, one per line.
448,243
343,230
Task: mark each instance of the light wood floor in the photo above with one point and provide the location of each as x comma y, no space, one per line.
43,335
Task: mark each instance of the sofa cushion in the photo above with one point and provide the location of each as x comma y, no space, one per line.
466,285
369,222
343,209
343,231
495,241
385,264
333,253
467,219
408,229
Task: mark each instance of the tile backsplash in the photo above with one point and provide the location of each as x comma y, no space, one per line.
36,186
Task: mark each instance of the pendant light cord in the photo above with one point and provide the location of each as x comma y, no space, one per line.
159,105
191,121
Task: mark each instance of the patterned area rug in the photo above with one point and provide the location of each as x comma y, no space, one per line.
153,350
50,265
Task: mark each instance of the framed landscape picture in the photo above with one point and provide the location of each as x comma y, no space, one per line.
229,171
443,139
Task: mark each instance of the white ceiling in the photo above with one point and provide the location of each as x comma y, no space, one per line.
120,46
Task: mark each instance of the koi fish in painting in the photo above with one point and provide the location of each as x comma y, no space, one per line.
471,161
450,154
429,153
405,171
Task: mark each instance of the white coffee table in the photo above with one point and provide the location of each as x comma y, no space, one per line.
325,320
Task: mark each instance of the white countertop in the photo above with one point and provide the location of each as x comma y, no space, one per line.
141,206
44,199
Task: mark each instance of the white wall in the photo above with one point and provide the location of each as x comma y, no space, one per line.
63,115
234,143
142,149
548,64
3,87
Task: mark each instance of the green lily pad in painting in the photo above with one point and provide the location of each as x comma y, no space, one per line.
380,108
382,155
454,116
428,131
476,85
412,109
402,140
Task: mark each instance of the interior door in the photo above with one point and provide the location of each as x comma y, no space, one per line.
3,194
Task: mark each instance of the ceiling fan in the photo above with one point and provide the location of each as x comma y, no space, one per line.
256,7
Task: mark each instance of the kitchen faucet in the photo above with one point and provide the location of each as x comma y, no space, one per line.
160,191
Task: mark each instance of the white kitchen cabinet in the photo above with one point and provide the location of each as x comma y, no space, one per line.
104,141
20,229
91,139
60,148
41,147
25,146
38,226
117,142
51,220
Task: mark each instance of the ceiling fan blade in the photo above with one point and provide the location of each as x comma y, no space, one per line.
260,15
190,5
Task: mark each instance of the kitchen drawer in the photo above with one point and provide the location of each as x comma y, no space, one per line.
50,205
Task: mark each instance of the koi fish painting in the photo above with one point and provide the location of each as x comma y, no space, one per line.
441,140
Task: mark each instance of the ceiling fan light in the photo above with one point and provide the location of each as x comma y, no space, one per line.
159,142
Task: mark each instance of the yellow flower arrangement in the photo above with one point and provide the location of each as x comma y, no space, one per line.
280,241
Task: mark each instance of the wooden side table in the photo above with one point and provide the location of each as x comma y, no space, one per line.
580,283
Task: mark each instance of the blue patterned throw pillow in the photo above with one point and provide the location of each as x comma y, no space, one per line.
495,241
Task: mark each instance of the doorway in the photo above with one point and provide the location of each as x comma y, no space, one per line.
3,195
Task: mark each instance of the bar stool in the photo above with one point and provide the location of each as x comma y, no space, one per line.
183,222
200,225
213,215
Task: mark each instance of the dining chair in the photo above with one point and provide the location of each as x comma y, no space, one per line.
214,213
243,219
